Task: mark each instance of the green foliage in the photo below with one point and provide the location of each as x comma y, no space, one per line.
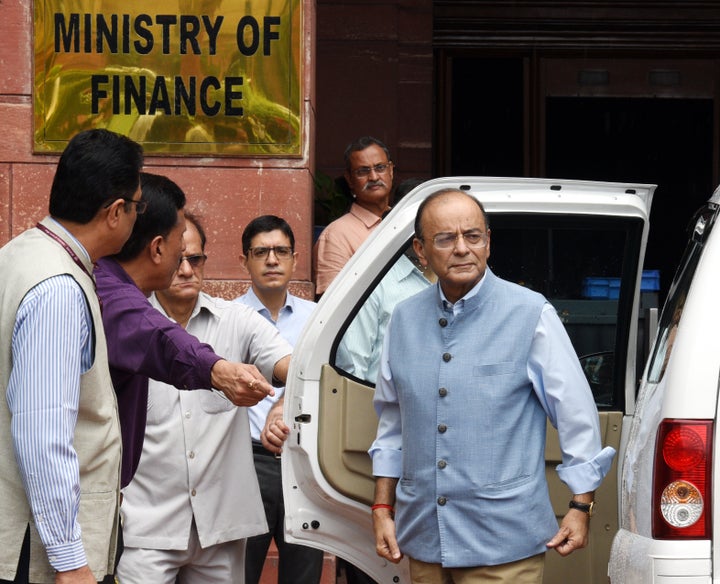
330,201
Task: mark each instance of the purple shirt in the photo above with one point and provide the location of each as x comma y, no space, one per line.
143,343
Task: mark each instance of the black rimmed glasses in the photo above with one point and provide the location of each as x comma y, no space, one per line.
364,171
282,252
195,261
140,205
473,238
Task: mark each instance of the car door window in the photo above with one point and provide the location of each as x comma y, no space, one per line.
358,353
672,312
585,266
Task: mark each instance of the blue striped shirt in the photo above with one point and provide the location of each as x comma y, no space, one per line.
52,345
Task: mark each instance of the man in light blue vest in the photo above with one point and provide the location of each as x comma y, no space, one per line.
477,364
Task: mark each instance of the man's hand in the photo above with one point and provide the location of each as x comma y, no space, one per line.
573,533
386,544
276,430
242,384
78,576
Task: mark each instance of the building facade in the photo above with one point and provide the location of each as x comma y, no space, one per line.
614,90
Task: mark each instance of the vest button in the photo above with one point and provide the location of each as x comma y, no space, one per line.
442,391
443,322
442,463
441,501
442,428
447,357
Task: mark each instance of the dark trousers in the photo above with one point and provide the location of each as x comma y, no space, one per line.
23,570
298,564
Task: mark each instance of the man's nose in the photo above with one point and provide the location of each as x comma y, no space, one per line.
184,269
461,247
374,174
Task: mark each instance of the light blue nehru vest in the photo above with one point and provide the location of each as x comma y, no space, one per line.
472,490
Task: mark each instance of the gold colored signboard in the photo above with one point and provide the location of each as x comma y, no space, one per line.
210,77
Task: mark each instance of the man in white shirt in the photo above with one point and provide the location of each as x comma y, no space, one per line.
269,257
195,498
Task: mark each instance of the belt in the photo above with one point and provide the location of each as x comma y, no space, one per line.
258,448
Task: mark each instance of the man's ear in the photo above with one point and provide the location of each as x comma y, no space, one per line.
419,251
243,261
157,248
114,211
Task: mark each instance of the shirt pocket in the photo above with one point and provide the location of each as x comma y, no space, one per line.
492,369
213,402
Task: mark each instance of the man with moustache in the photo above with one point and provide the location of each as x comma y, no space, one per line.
198,442
369,174
471,370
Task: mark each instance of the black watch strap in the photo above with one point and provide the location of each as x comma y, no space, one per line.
584,507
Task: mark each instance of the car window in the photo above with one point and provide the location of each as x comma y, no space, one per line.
358,353
585,266
672,311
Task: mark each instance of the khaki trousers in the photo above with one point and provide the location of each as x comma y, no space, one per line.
527,571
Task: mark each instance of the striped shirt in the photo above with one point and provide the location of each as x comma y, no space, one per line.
52,345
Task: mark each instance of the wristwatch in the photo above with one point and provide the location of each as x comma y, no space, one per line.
588,508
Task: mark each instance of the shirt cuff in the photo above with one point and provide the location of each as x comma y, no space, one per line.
387,463
67,556
586,477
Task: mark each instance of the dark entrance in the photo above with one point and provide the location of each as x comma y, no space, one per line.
631,120
668,142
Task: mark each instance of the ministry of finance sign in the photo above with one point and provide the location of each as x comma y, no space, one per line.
207,77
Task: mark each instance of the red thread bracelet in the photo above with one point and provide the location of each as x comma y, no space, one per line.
382,506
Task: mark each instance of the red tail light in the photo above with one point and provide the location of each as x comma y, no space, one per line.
682,494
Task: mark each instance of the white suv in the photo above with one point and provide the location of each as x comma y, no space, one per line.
668,480
581,244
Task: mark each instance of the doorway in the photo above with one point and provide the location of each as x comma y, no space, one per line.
620,120
668,142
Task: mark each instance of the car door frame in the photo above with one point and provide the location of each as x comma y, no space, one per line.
317,513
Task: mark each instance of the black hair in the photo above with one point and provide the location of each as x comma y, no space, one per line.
191,217
96,167
361,144
164,199
405,187
436,195
263,224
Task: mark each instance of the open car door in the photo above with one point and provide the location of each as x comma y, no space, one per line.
581,244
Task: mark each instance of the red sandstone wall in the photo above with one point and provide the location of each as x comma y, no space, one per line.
375,77
228,192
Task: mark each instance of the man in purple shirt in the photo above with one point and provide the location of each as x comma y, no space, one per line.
142,343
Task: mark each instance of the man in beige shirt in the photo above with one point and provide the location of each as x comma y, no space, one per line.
369,173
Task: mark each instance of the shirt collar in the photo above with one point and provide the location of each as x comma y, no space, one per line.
253,301
204,302
461,302
57,226
112,266
368,218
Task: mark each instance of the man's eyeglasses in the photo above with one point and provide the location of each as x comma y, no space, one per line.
282,252
140,205
195,261
474,238
364,171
